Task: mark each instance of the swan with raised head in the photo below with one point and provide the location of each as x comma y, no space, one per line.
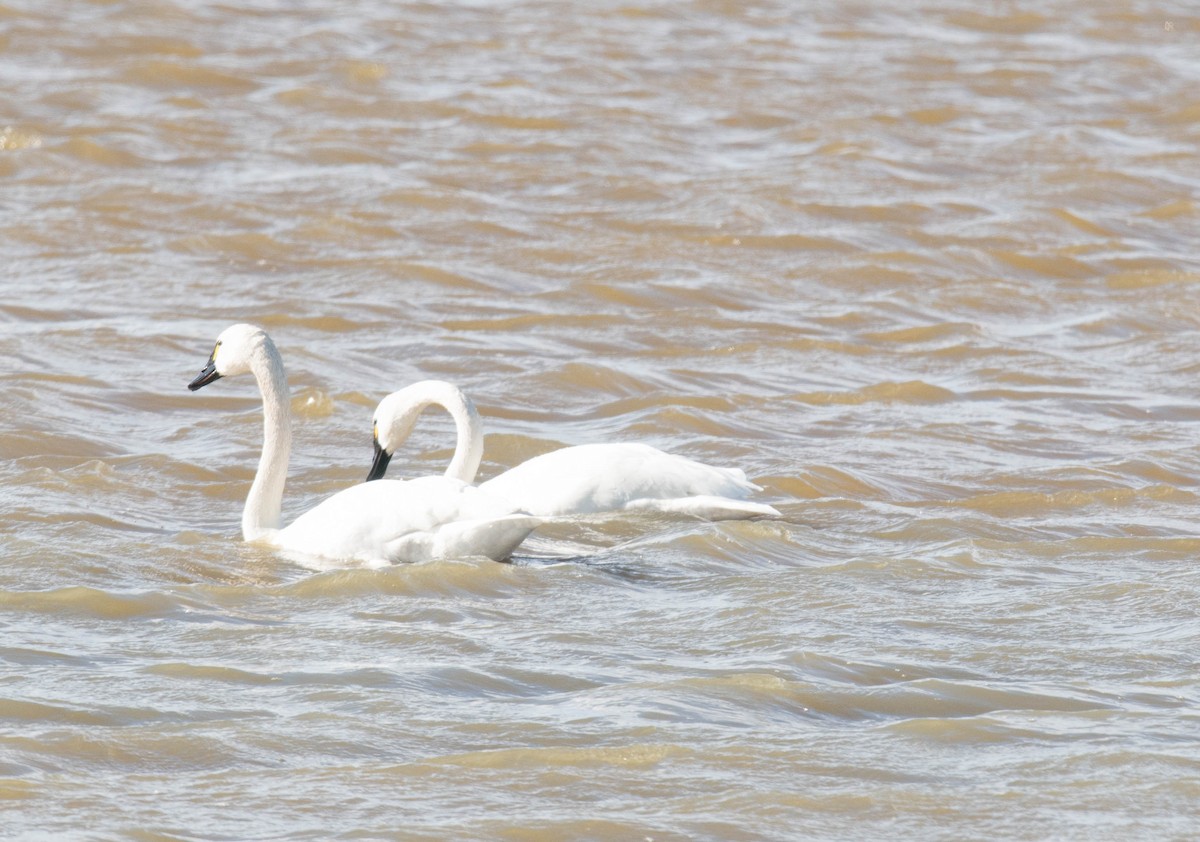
579,480
415,520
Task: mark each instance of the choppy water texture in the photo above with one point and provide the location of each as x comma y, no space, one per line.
927,272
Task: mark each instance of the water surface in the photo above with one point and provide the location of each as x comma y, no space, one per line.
927,274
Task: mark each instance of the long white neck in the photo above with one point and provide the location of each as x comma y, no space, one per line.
468,444
405,405
264,503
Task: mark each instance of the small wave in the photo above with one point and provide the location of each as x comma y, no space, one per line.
910,391
936,116
500,683
437,276
129,45
324,324
904,212
485,230
39,657
939,698
1146,278
98,519
797,488
92,152
1037,503
596,380
740,700
1011,394
970,730
828,481
1160,477
1160,548
460,576
176,75
251,247
1083,224
517,121
93,602
926,333
1014,23
16,790
783,242
366,677
643,756
1173,209
672,403
531,321
57,318
45,444
44,713
831,668
1049,266
137,750
331,153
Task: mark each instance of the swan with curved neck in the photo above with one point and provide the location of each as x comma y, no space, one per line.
397,414
432,517
584,479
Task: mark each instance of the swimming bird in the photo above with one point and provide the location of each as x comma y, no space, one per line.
413,520
579,480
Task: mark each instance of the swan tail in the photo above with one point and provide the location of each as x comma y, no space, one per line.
739,478
705,506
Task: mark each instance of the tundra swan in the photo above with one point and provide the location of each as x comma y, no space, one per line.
414,520
584,479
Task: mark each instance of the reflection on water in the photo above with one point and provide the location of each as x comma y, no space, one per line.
927,274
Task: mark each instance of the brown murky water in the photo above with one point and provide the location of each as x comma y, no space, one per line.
927,273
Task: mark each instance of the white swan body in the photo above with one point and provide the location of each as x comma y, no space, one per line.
580,480
418,520
592,478
413,520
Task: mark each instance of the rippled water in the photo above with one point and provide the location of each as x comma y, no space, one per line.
927,273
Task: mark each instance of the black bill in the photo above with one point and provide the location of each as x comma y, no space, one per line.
380,465
208,375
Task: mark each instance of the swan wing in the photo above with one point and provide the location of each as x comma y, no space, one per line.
592,478
408,520
495,538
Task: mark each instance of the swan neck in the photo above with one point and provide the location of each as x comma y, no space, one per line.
264,503
468,445
404,406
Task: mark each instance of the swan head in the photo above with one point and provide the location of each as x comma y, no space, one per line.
235,349
394,420
397,414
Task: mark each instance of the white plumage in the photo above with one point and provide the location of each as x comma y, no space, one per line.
416,520
580,480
